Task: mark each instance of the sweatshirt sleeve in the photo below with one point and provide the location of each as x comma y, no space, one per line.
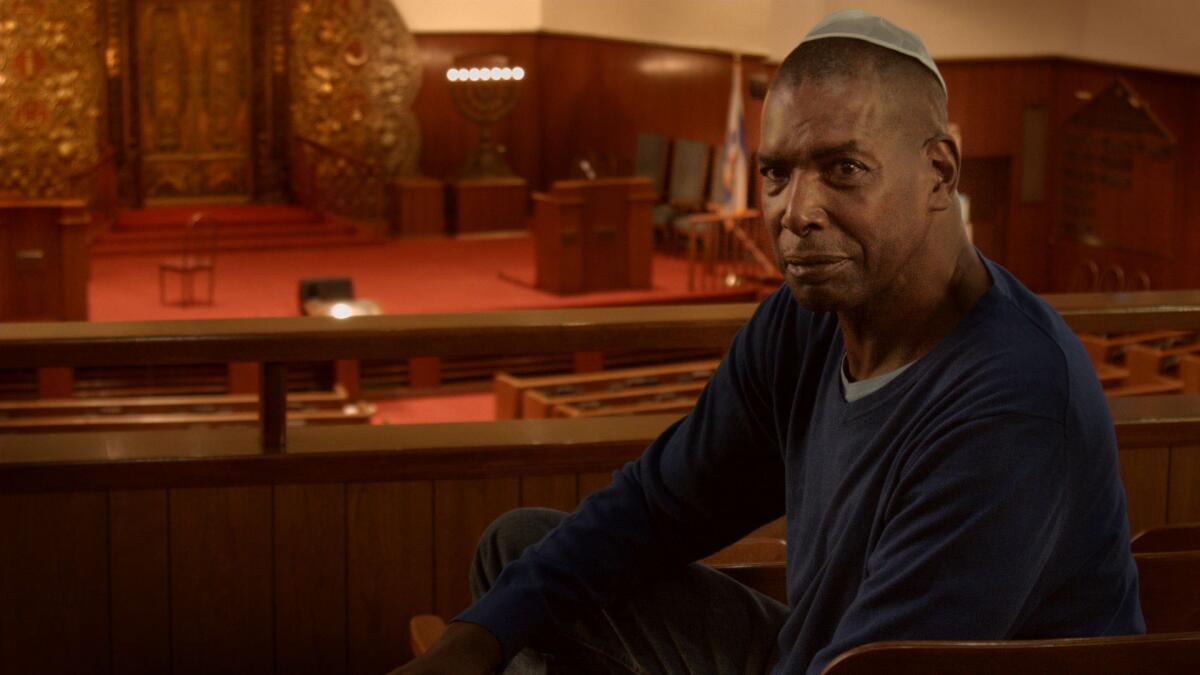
705,482
966,540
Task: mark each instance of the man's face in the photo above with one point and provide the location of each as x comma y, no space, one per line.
845,191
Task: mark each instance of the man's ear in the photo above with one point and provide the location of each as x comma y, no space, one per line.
942,153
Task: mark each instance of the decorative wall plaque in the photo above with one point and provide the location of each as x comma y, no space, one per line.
1118,175
355,72
51,86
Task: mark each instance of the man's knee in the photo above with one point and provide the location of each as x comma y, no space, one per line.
506,539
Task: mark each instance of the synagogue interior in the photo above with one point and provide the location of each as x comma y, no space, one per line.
297,296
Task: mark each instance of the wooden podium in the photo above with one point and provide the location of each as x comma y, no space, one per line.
594,235
43,260
489,204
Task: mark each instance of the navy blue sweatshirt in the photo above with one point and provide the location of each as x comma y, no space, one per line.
974,497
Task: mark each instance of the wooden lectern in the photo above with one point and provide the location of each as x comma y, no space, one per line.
594,235
43,260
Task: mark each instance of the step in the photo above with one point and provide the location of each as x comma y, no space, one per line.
238,244
178,233
176,216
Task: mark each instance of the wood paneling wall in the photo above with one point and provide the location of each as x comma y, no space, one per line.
590,97
314,578
582,97
447,136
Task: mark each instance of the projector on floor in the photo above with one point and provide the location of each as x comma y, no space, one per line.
341,309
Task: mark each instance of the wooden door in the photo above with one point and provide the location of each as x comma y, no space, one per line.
193,90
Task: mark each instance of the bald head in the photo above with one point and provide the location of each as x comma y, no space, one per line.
920,100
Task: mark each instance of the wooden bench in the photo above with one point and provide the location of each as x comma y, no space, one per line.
541,403
141,405
1189,374
511,390
635,404
1169,588
1167,538
1150,364
354,413
1111,348
1160,654
1132,364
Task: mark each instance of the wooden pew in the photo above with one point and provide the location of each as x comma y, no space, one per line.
1151,364
1169,588
1111,348
1177,654
1189,374
175,412
357,413
635,404
547,404
1142,358
307,400
511,390
550,403
1166,538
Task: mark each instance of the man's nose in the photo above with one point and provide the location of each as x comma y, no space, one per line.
805,207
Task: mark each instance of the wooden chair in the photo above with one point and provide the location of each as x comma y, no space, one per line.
686,188
651,159
1176,654
757,562
1167,538
1169,587
197,258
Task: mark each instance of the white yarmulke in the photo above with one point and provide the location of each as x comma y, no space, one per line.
859,25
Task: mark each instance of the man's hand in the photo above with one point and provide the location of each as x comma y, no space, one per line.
464,649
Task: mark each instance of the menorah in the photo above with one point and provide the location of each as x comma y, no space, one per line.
485,95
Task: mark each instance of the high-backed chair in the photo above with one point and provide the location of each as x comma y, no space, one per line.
686,191
651,159
197,258
1176,654
1167,538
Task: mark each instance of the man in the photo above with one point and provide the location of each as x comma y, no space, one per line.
933,431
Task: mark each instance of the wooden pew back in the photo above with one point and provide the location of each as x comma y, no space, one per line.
1161,654
1169,586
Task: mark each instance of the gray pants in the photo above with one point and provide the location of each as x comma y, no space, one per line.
696,622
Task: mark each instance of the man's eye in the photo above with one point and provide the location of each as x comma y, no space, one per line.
772,173
846,169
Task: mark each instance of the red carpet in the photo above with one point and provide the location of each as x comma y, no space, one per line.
433,275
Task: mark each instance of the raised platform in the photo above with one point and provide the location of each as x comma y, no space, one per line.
250,227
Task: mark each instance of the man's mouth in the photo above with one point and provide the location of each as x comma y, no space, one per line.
812,267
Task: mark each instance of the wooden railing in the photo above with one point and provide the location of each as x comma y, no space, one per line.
274,342
728,250
329,180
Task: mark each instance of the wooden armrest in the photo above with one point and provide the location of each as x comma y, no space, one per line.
423,631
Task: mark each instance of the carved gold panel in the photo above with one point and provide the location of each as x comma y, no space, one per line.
51,84
193,93
354,74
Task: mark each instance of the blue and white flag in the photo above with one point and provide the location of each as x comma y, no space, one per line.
733,161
